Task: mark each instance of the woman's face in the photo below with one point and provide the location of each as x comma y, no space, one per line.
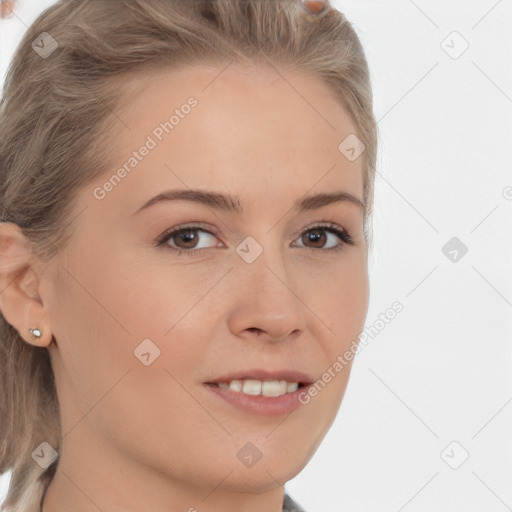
140,329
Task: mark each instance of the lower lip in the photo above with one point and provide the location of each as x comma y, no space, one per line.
259,404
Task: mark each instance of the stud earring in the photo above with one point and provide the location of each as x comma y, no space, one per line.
37,333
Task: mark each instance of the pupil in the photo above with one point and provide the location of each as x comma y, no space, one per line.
188,234
315,235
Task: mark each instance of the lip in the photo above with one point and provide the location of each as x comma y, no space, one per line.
258,404
260,374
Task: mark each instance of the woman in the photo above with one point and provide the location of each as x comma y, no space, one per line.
186,190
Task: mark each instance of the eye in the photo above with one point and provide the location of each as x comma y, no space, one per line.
184,239
183,235
317,235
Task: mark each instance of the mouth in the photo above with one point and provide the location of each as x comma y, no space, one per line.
262,382
254,387
261,391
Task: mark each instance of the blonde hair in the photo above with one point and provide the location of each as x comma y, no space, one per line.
54,111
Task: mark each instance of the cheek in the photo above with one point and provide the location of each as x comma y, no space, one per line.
343,305
154,293
98,373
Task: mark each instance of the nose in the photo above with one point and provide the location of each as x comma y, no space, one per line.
266,303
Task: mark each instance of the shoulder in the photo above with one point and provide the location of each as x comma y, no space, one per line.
290,505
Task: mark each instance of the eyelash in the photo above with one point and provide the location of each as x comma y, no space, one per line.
325,226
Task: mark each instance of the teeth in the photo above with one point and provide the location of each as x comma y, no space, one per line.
273,388
235,385
291,387
258,387
251,387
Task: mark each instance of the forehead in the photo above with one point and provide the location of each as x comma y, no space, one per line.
223,91
248,127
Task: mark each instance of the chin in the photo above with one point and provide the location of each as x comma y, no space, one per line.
260,480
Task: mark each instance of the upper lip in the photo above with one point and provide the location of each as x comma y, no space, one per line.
259,374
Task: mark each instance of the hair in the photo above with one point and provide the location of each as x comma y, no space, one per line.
55,111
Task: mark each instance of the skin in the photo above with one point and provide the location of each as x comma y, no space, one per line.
151,437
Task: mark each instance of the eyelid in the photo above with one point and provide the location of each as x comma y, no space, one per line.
188,225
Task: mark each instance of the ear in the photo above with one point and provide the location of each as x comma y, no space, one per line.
20,303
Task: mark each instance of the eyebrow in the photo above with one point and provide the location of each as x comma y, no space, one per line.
231,203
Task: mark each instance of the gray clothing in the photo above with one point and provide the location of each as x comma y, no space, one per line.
289,505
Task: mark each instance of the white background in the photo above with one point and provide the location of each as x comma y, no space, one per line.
441,370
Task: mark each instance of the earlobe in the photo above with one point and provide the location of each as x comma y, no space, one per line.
20,303
39,337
